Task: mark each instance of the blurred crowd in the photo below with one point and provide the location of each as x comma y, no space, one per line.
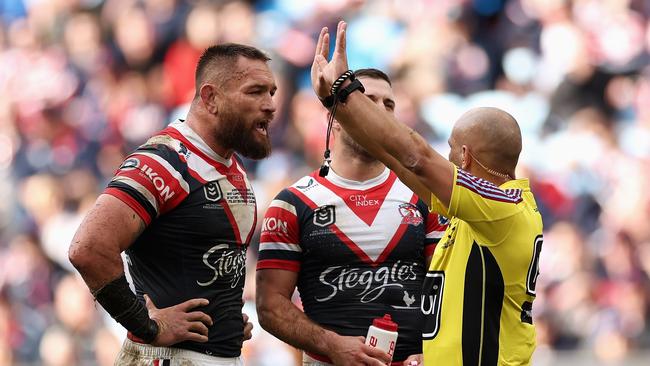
83,82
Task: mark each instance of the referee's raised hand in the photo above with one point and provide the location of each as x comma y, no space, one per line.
179,323
323,72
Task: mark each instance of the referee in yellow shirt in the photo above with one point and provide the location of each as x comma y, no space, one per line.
478,295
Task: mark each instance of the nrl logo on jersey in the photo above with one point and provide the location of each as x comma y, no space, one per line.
212,191
324,216
410,214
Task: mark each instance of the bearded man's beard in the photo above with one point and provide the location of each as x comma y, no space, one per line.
236,135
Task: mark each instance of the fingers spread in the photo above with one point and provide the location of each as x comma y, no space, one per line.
340,37
198,327
377,353
324,37
200,317
196,337
193,303
320,62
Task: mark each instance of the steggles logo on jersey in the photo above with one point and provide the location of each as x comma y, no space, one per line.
410,214
228,263
212,191
324,216
369,284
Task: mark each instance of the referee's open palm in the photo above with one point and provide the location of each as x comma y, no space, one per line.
179,323
324,73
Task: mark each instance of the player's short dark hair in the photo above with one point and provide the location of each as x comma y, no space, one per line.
373,74
220,59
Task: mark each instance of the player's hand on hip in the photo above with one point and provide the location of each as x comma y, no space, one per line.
179,323
248,327
414,360
353,351
324,73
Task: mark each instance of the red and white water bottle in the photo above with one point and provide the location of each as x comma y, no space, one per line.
382,334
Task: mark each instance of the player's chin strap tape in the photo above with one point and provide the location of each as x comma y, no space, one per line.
119,301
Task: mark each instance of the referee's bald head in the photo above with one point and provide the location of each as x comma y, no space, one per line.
491,136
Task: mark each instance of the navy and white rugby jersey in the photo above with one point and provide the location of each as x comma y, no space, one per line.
360,249
200,213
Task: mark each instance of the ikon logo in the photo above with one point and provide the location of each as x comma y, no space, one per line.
212,191
324,216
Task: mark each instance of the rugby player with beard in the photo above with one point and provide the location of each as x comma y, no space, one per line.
356,244
182,210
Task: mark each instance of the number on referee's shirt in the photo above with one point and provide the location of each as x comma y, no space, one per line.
533,268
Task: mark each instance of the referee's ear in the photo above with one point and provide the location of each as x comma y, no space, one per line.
465,158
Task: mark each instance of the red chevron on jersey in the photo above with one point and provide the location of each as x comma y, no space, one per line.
206,166
364,203
353,230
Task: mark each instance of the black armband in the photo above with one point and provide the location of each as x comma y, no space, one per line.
343,94
330,100
122,304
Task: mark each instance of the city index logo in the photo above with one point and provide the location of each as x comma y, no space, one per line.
362,200
165,192
272,224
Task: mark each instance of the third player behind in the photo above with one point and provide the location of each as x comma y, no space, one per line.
356,243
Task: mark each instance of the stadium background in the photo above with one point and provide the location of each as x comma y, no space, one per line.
82,82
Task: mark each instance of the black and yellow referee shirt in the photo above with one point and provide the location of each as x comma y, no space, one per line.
478,293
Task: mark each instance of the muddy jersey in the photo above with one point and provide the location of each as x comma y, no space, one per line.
360,251
200,213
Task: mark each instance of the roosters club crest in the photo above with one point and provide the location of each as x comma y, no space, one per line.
324,216
212,191
410,214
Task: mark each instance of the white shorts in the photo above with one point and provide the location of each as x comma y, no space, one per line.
137,354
